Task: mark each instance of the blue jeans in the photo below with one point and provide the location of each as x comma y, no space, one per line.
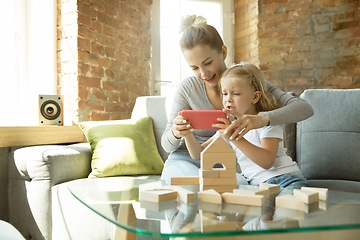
289,180
181,164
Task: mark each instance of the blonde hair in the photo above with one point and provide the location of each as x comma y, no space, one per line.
194,31
256,79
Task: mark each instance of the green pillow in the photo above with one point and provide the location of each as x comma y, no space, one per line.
122,147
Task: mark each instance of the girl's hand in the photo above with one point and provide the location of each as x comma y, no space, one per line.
244,124
181,127
222,126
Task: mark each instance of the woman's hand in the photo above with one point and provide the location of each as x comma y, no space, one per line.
181,127
244,123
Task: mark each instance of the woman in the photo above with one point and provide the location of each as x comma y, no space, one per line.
205,53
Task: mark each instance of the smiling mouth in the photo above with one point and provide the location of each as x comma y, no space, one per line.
230,108
209,79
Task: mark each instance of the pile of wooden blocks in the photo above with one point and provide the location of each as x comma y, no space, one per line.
218,185
167,193
251,197
305,199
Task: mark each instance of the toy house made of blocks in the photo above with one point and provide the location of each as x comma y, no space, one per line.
220,179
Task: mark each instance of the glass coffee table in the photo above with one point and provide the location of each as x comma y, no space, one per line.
117,200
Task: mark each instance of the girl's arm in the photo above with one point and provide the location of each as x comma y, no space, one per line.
194,147
263,156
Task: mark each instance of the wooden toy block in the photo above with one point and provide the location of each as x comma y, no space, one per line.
219,188
208,160
273,188
244,199
291,202
323,192
158,207
218,181
306,196
223,173
210,196
218,145
210,207
322,205
208,173
254,211
184,195
217,173
264,192
234,208
185,180
209,223
157,196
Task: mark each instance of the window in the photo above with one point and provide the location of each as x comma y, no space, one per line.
169,66
28,62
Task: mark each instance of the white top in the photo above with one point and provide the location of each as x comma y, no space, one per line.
253,172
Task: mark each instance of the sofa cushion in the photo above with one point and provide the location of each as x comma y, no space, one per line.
122,147
328,143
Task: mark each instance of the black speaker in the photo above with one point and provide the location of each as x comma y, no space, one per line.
50,110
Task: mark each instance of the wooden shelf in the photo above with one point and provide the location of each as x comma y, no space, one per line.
40,135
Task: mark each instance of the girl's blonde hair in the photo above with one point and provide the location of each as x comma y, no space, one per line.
256,79
194,31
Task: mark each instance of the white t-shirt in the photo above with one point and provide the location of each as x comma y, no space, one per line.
253,172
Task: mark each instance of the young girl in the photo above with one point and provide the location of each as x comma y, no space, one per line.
260,153
205,53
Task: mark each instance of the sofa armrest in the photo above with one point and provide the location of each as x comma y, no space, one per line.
57,163
33,171
69,163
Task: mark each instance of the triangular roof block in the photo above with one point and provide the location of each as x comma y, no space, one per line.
218,145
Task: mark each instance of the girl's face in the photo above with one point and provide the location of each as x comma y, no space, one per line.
239,95
207,64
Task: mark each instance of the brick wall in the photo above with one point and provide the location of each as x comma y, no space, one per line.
307,43
104,54
245,31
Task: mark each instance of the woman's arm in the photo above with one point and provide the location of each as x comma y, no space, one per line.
294,108
170,140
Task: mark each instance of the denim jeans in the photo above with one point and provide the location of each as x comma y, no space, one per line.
289,180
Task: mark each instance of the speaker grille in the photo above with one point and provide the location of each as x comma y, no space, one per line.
50,110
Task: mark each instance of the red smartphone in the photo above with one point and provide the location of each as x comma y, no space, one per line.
203,119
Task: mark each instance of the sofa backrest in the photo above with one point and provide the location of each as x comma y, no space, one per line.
158,108
327,144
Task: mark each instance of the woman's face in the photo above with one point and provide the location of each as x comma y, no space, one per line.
207,64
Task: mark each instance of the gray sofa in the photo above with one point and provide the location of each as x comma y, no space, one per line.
41,207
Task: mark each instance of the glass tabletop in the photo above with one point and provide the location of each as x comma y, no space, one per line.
117,200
